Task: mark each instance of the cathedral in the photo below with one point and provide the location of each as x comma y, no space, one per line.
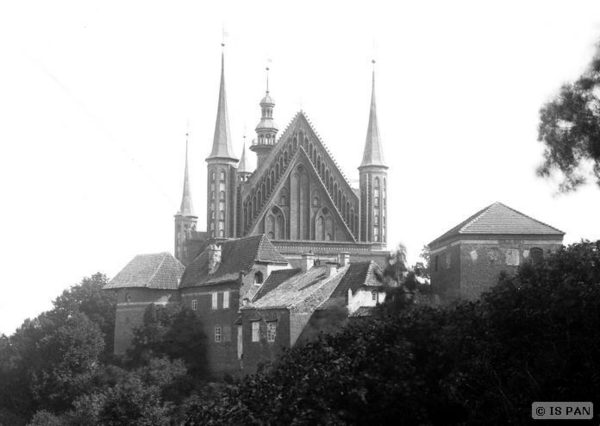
289,249
297,196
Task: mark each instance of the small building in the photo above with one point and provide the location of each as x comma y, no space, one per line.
147,279
294,306
468,259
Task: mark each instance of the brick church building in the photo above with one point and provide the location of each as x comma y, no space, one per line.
289,249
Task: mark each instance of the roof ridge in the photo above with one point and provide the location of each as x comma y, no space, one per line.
477,217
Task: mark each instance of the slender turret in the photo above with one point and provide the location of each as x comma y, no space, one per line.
373,181
185,219
220,215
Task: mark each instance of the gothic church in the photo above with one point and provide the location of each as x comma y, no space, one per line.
297,196
290,249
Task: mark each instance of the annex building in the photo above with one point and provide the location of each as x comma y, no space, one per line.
288,249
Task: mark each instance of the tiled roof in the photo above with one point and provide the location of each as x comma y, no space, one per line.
299,288
274,280
359,274
236,256
157,271
499,219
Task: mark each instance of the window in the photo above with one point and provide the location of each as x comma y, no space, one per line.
374,295
537,254
212,176
258,278
225,299
227,333
194,305
215,300
222,195
222,175
271,331
255,331
128,297
218,335
512,257
448,261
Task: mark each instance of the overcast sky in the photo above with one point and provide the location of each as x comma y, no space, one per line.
95,97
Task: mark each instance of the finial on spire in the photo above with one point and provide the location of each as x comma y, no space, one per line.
267,68
223,36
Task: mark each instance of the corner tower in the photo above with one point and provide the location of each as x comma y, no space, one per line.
266,129
373,182
221,169
185,219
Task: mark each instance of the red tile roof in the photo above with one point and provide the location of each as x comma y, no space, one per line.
157,271
236,256
498,219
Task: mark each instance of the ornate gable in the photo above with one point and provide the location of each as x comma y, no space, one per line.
281,202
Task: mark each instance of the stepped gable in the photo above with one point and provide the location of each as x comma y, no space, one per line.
299,123
155,271
499,219
296,290
237,256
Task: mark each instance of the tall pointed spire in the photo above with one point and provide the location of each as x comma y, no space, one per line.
222,147
373,153
187,207
243,166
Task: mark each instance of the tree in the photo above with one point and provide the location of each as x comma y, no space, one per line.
570,129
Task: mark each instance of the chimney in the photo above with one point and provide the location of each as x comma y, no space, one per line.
308,261
214,258
344,259
331,269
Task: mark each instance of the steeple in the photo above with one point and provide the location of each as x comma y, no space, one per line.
222,148
185,219
243,169
373,153
187,207
373,182
266,129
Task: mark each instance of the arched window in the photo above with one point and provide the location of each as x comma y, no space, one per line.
258,278
222,175
212,214
212,176
222,195
537,254
315,201
222,215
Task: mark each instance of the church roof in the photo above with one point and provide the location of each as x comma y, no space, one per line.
187,207
237,255
373,153
498,219
222,147
156,271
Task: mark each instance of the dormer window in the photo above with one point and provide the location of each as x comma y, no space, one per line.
258,278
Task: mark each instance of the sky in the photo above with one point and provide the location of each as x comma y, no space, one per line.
96,99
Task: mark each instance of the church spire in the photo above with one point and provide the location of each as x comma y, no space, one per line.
222,148
243,166
373,153
187,207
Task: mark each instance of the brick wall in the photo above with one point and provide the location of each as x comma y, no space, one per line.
467,267
446,272
482,262
221,355
131,304
262,351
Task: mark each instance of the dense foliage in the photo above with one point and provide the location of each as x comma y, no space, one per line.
570,129
534,337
